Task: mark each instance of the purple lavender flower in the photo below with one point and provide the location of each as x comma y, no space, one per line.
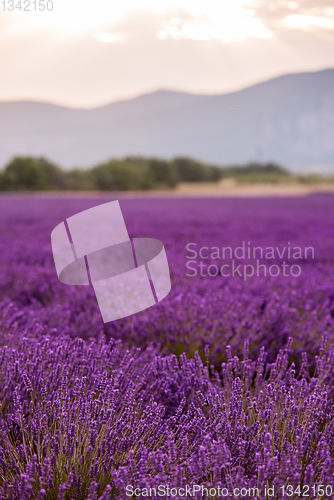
225,383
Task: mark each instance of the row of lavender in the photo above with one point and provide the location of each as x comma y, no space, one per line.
118,410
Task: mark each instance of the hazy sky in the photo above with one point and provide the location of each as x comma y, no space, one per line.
88,53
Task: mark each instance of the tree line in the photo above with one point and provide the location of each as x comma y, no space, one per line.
127,174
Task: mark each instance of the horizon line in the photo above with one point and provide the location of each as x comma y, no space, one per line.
132,97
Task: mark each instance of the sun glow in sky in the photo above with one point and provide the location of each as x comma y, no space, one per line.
226,20
85,53
218,19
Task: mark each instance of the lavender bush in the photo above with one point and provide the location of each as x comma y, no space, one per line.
226,383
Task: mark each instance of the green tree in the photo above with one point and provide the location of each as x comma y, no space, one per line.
25,173
143,165
57,179
163,173
80,180
117,175
190,170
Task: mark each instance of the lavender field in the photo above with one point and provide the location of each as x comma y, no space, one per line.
226,386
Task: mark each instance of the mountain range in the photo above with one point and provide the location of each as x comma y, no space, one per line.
288,120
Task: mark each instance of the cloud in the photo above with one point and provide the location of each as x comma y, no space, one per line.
226,20
235,24
296,14
162,47
308,22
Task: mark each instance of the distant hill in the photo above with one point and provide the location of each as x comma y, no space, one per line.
289,120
